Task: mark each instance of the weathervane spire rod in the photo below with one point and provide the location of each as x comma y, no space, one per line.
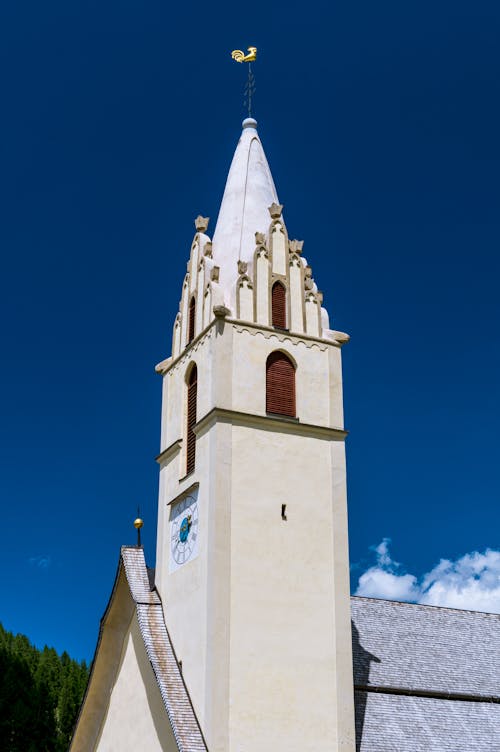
240,57
138,523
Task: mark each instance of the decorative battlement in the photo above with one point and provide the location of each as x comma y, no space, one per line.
251,268
254,296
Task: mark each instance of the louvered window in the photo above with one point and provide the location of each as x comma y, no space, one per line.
280,385
278,305
191,319
191,419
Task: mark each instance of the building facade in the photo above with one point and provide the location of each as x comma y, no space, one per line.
242,641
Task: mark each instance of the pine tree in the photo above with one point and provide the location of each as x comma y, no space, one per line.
40,694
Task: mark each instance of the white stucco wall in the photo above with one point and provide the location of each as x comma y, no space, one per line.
260,618
136,718
283,611
317,380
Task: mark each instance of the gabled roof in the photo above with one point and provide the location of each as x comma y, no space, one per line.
132,592
425,678
161,653
425,648
402,723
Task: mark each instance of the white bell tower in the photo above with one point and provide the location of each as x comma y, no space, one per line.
252,551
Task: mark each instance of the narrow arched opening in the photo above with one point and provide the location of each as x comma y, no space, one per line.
278,305
280,384
191,319
192,391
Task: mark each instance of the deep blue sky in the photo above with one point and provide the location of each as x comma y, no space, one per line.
381,124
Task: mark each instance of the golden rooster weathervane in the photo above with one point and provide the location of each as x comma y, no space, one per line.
240,57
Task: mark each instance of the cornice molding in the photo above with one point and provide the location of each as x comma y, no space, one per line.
167,365
294,338
253,329
184,493
169,452
268,423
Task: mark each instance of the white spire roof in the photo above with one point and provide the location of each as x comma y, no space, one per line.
249,193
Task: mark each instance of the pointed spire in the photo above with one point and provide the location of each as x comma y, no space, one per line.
244,210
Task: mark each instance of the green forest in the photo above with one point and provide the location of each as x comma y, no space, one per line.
40,693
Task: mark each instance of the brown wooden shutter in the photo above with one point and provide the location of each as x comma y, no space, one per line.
191,319
191,420
278,305
280,385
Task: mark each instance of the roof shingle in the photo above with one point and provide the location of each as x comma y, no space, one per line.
398,723
425,649
161,653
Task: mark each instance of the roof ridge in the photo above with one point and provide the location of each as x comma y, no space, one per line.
160,651
425,605
382,689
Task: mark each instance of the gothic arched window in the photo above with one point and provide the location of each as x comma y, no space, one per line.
191,319
192,383
280,384
278,305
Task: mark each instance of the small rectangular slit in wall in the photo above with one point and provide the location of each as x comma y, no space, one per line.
283,511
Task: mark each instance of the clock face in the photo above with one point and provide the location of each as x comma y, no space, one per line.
183,530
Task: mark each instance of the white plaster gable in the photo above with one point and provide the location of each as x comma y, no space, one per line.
244,210
136,697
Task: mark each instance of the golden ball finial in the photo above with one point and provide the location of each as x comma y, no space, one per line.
138,523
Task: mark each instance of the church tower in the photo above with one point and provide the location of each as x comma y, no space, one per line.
252,552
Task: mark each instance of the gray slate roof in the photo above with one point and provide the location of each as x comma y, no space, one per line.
161,654
396,723
426,678
424,648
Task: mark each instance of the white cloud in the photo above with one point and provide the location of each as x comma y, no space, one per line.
471,582
41,562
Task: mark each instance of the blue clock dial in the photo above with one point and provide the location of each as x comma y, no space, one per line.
184,530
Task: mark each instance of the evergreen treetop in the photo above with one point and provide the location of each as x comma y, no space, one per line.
40,694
